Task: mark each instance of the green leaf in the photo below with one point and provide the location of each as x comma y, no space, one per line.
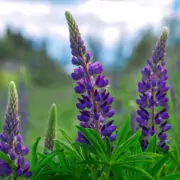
95,141
66,136
45,161
48,158
151,148
123,134
118,173
108,146
97,137
158,165
7,160
137,169
86,147
152,144
63,144
142,157
89,162
34,154
72,145
173,176
126,145
137,148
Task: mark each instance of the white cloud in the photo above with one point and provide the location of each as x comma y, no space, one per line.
112,33
102,17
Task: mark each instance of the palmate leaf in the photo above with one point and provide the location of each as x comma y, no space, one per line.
173,176
132,168
96,135
142,157
137,169
135,160
119,171
46,161
86,147
70,145
61,157
125,146
158,164
66,146
96,141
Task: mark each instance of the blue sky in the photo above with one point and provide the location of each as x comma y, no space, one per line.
107,19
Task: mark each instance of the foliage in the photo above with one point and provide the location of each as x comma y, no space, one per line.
20,51
99,159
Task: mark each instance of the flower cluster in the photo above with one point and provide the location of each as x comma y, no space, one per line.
11,142
153,114
95,102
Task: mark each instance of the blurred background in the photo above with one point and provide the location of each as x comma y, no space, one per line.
35,53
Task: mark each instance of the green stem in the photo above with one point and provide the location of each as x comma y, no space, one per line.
15,177
107,172
152,111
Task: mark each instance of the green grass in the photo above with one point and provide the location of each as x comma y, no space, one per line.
40,100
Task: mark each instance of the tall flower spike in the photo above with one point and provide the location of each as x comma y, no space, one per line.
152,115
94,103
51,131
11,142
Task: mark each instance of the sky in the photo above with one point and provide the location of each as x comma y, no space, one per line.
44,18
107,19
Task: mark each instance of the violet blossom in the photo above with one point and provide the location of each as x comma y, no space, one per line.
152,115
94,103
11,142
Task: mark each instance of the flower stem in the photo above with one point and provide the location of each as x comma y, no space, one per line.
95,105
152,110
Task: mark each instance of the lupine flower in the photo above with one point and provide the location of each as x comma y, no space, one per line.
51,131
94,103
23,105
11,142
152,115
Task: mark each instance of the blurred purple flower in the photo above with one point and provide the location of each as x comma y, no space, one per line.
11,142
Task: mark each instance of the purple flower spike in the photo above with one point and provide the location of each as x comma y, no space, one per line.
95,103
153,89
11,141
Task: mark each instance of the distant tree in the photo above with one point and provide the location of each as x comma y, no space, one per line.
141,51
44,71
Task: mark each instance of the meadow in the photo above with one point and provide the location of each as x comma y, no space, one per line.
66,146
